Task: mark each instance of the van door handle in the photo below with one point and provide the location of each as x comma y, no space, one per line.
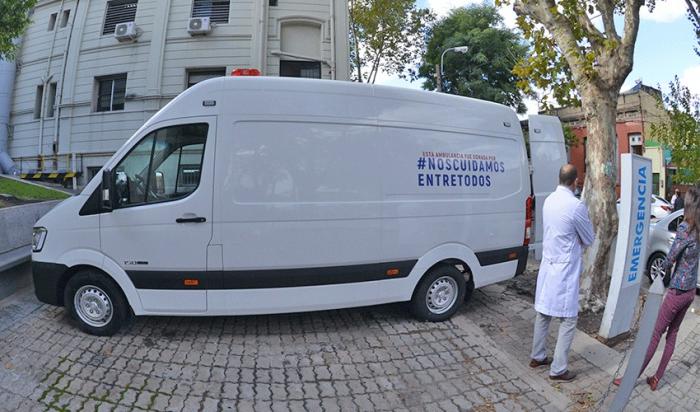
191,220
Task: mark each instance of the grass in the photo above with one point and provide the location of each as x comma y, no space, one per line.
29,192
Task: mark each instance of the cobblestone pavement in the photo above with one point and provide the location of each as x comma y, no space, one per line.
507,317
375,358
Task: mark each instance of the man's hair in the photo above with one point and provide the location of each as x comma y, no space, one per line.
567,175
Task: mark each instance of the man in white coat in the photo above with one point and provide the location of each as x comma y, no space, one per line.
567,230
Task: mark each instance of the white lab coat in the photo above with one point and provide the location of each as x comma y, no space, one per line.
567,230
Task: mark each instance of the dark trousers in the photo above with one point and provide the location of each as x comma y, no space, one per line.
671,314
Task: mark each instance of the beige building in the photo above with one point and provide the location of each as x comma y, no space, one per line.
90,73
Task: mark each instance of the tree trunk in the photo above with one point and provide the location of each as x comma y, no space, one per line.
600,108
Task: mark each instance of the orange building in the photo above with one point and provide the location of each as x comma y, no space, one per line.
637,109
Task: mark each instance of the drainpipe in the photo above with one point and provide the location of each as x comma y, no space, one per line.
333,75
59,91
7,81
263,31
46,81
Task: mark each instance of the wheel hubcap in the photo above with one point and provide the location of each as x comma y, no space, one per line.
657,268
93,306
442,295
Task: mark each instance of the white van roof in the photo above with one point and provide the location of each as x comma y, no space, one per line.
329,98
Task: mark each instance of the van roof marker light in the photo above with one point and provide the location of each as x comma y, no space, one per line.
245,72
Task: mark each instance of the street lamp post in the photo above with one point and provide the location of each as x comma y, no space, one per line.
441,74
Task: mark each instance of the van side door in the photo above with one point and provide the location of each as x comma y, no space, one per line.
161,222
547,156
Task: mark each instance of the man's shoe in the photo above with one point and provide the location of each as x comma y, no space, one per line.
536,364
567,376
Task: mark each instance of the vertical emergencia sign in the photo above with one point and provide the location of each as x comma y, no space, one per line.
631,249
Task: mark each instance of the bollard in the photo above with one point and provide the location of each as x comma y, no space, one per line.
639,350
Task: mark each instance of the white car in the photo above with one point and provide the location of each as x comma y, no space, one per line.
660,207
661,237
271,195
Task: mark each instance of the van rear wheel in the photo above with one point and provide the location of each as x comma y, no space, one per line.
96,303
439,294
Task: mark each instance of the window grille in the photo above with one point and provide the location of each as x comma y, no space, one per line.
216,10
119,11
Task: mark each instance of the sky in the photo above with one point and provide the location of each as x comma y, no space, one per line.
664,47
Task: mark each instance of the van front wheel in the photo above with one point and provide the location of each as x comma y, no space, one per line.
96,303
439,294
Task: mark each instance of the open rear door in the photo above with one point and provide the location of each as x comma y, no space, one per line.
547,156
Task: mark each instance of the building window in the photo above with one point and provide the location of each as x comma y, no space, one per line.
64,18
118,11
51,100
273,3
110,93
38,100
216,10
655,183
308,70
52,21
195,76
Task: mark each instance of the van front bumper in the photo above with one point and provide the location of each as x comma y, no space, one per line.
47,282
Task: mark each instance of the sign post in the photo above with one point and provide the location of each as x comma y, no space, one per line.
631,248
639,350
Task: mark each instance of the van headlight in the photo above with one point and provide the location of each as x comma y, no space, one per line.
38,238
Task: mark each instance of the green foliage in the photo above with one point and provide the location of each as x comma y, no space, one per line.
14,18
681,132
570,54
570,139
486,70
386,35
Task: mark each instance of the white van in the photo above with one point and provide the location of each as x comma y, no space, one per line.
271,195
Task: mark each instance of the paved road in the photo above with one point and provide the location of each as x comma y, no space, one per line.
376,358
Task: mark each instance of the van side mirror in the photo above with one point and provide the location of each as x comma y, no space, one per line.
106,198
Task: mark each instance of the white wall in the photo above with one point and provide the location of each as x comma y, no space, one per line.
156,66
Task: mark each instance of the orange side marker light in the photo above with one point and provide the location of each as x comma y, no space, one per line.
392,272
191,282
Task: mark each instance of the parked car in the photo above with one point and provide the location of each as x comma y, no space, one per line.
660,207
661,237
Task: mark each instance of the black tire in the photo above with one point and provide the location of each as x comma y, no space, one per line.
469,287
449,278
654,256
100,289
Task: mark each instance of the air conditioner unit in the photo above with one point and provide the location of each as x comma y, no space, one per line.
199,25
125,31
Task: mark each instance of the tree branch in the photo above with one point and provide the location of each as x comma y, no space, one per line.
625,54
693,12
607,14
594,35
560,29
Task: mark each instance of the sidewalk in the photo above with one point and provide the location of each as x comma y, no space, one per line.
507,318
